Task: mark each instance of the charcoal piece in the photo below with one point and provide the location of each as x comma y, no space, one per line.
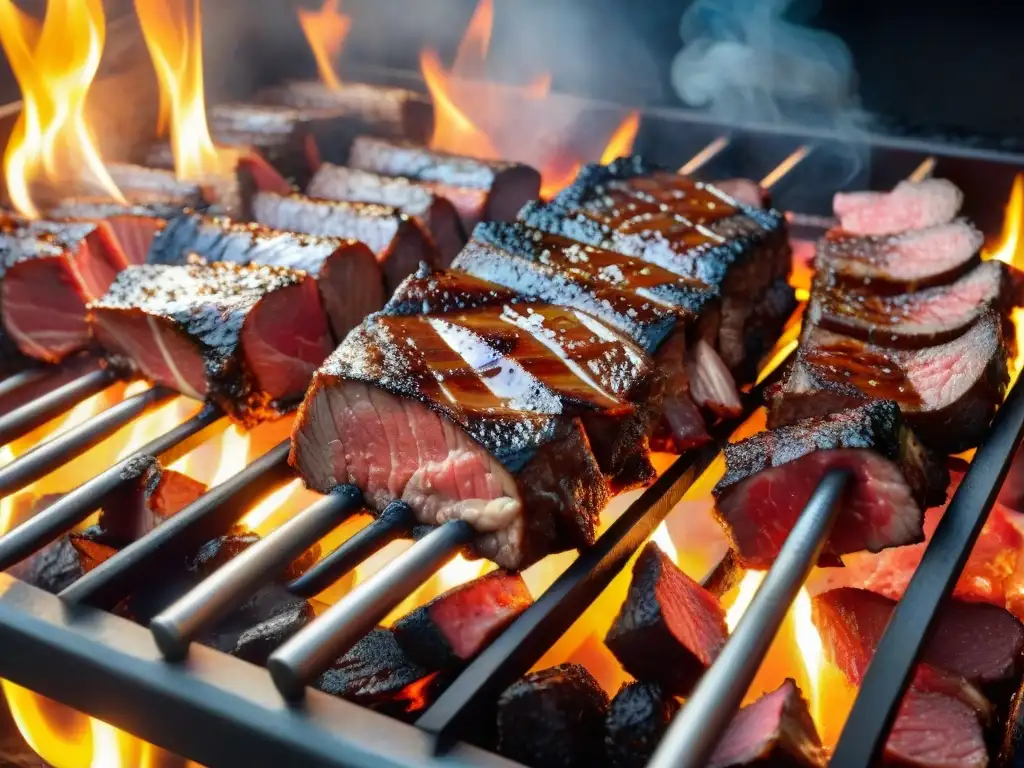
257,642
149,497
553,718
301,564
637,719
454,627
670,629
216,552
270,601
62,562
91,551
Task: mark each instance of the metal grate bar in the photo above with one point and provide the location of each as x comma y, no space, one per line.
52,454
696,730
393,523
885,682
73,507
24,379
302,658
33,383
25,418
210,515
240,578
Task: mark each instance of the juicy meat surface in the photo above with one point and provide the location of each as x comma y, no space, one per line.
910,205
948,393
456,430
133,225
398,241
670,629
437,215
346,271
919,319
903,261
935,731
770,476
247,337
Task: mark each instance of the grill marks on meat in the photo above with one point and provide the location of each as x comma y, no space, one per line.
948,392
434,212
457,433
912,320
910,205
248,337
670,629
346,271
50,270
398,241
490,190
770,477
900,262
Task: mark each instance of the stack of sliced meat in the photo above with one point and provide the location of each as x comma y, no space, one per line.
520,389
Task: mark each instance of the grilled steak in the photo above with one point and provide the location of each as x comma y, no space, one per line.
770,477
637,719
903,262
774,730
430,291
346,271
935,731
454,627
398,241
670,629
912,320
554,717
455,429
948,393
745,191
247,337
491,190
910,205
49,271
435,213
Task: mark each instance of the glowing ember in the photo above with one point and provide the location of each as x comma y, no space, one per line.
325,31
174,37
54,65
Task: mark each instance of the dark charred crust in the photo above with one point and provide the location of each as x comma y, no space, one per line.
637,719
259,641
430,291
216,552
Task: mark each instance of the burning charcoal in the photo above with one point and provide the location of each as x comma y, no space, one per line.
637,719
453,628
910,205
216,552
775,730
553,719
154,495
258,642
670,628
377,674
64,561
301,564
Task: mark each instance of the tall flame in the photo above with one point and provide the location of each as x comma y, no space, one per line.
1010,249
54,64
325,31
174,37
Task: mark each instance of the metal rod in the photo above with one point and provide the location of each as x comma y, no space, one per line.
243,575
73,507
778,172
394,522
696,730
210,515
27,417
52,454
705,156
302,658
24,378
33,383
924,170
885,682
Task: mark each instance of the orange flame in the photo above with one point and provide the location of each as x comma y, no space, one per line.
1010,251
325,31
54,65
174,37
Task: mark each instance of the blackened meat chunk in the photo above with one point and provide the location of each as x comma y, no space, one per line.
770,476
670,629
638,717
453,628
64,561
398,241
259,641
247,337
553,719
910,205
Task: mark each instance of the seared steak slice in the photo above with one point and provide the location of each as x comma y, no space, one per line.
346,271
50,270
770,477
777,729
456,432
912,320
903,262
948,393
398,241
910,205
437,215
491,190
933,730
670,629
133,226
247,337
431,291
